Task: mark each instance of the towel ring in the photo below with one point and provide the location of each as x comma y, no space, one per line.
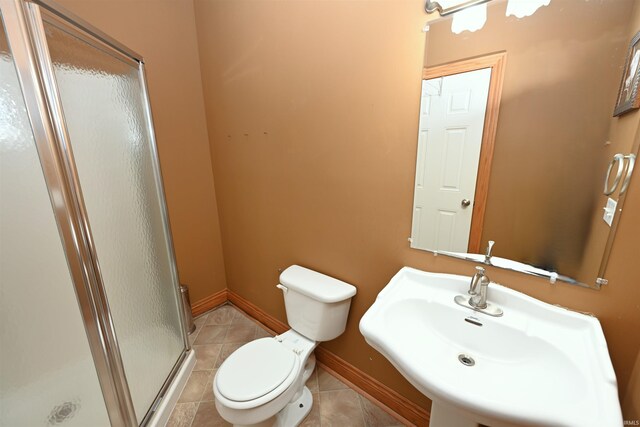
630,165
619,159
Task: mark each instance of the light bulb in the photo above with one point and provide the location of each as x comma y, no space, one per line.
470,19
522,8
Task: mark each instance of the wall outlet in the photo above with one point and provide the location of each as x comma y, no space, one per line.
610,211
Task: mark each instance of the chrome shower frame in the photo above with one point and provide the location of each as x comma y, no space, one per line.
24,25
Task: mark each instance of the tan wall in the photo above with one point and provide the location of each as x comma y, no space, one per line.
164,33
555,114
621,137
312,108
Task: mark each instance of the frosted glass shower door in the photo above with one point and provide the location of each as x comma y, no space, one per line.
47,373
104,104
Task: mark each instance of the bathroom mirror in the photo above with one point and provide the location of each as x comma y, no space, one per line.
516,136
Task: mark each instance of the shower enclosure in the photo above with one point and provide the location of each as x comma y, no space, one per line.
92,329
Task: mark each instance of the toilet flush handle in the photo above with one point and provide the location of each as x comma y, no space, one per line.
284,289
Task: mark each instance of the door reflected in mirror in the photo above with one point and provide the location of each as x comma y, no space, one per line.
515,135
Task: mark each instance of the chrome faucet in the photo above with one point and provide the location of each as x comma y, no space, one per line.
478,292
487,255
479,296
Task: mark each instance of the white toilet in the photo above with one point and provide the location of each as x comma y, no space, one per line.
263,382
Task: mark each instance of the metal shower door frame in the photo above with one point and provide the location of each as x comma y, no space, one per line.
24,25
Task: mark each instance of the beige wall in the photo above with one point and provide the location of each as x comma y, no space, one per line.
312,110
621,138
561,79
163,31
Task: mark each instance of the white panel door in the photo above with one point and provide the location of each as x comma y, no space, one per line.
450,137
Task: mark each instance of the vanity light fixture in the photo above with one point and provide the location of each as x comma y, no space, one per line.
471,15
447,7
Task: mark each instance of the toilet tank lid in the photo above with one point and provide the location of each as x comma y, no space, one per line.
316,285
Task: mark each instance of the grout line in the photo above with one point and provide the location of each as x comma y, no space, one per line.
198,330
364,422
317,393
194,414
210,371
217,357
224,339
315,372
195,334
319,404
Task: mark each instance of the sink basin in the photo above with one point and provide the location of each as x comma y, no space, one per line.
538,364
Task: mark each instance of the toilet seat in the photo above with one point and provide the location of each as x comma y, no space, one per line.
256,373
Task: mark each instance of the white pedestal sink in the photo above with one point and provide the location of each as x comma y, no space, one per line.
537,365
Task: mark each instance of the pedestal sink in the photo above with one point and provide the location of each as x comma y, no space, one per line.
537,365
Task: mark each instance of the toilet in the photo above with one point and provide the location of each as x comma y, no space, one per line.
263,382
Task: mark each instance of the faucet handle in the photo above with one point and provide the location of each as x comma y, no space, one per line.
478,277
487,256
490,247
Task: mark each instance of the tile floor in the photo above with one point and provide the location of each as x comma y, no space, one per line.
218,333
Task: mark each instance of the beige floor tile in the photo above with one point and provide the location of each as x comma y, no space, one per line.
236,309
221,315
227,349
207,396
312,382
201,319
182,414
327,382
194,388
211,335
207,416
240,332
206,356
261,333
199,322
313,419
340,408
241,318
374,416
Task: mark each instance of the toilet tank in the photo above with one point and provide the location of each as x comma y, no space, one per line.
317,305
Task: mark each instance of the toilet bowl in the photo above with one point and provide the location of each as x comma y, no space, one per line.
263,382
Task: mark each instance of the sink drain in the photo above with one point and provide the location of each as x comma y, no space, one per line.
466,360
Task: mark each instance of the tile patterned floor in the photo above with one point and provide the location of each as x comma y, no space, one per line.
221,331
